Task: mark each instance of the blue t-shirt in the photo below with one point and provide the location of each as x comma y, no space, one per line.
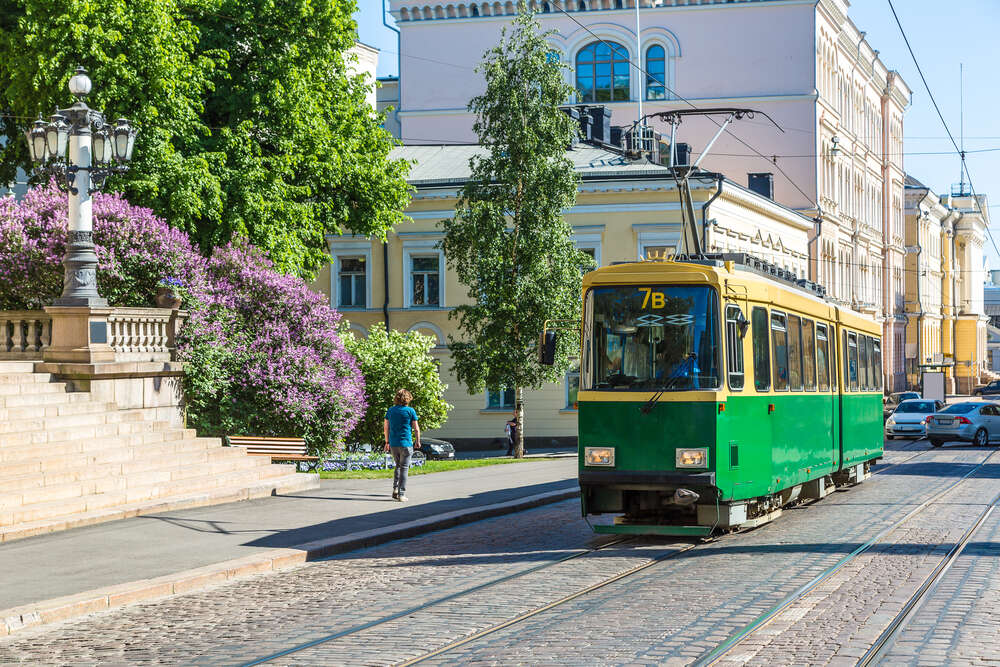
401,418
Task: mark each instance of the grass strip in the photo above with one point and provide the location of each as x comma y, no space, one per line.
426,468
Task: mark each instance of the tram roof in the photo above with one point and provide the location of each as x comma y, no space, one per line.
716,272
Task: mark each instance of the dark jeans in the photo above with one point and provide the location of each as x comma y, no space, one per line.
401,455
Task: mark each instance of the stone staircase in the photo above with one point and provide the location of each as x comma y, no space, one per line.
68,459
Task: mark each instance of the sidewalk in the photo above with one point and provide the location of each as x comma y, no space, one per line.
60,575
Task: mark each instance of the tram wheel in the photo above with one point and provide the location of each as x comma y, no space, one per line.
981,439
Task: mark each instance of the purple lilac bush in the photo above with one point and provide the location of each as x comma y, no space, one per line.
264,356
274,361
135,249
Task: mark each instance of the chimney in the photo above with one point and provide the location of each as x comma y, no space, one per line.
762,183
682,157
602,123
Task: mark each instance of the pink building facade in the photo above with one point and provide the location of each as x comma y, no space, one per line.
802,62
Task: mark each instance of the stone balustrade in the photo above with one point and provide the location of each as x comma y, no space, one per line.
133,334
24,334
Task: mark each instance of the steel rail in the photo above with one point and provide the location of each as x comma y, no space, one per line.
431,603
926,589
534,612
716,654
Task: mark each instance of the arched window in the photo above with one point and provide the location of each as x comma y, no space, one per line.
602,73
656,73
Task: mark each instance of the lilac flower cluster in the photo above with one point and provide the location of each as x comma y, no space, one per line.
262,349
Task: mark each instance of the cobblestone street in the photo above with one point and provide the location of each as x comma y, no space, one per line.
402,600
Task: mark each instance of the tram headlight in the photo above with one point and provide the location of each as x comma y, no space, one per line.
599,456
692,458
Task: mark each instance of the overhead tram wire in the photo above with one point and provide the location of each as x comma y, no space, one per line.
558,5
961,153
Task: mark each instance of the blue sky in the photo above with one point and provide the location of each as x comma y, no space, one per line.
943,35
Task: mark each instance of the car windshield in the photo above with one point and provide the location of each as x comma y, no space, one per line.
960,408
651,337
916,406
899,398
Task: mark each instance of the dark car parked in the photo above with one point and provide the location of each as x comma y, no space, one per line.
437,450
987,389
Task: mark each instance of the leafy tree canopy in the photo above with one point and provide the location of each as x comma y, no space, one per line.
509,242
250,125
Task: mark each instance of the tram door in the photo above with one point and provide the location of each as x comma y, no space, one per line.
826,379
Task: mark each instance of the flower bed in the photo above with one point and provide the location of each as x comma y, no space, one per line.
366,461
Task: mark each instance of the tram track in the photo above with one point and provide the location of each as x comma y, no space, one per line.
667,555
720,652
926,590
354,630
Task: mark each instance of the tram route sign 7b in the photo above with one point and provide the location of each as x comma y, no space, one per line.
548,339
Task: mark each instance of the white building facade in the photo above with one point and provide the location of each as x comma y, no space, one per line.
802,62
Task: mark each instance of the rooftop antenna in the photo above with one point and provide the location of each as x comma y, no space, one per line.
961,124
638,57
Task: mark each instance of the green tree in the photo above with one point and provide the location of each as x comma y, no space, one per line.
250,124
390,361
509,242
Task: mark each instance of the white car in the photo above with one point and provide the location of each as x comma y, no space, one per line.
909,418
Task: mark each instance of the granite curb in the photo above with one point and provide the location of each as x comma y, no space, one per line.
35,614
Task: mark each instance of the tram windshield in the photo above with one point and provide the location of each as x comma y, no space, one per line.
651,338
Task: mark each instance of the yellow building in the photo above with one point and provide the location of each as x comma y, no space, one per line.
625,210
945,274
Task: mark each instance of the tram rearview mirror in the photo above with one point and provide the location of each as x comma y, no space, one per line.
547,350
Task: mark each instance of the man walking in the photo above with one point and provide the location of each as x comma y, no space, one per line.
400,421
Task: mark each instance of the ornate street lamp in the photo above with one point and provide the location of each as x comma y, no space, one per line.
88,165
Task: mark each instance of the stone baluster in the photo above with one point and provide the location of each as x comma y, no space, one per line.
17,340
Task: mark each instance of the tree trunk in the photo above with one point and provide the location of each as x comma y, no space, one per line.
519,412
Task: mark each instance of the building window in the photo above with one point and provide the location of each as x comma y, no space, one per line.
352,278
350,282
425,281
656,73
602,73
501,400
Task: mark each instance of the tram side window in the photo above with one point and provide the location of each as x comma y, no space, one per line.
794,353
847,362
852,360
822,358
734,343
877,357
808,355
761,351
779,339
863,363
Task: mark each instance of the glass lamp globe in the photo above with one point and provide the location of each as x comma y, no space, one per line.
79,83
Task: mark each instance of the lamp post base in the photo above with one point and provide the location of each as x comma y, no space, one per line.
80,277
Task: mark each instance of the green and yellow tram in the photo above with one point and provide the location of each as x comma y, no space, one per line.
714,392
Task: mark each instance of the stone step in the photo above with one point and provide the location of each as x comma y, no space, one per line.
27,426
125,475
32,388
285,483
79,432
21,400
56,456
192,486
139,485
20,378
59,409
17,366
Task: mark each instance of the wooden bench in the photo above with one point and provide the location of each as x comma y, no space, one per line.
279,449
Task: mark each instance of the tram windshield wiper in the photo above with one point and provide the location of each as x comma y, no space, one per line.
682,370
